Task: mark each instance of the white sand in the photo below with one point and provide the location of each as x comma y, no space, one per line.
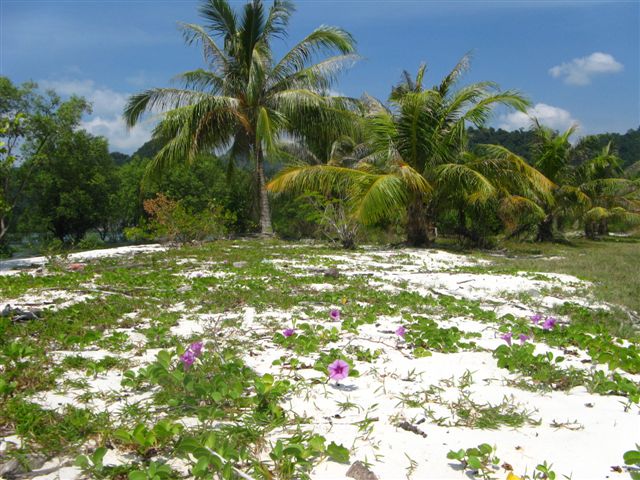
597,429
16,265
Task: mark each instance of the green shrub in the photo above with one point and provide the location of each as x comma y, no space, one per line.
170,220
90,241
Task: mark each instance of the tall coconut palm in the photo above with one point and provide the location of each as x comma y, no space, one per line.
409,145
245,99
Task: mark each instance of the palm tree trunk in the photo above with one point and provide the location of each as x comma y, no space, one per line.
418,225
3,228
462,223
266,229
590,230
545,229
603,227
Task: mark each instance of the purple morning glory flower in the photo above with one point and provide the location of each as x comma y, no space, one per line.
196,348
523,338
507,337
334,314
400,331
287,332
187,359
549,323
535,319
338,370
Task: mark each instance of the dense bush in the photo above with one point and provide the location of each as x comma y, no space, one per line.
170,220
294,217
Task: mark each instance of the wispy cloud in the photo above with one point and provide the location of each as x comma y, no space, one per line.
139,79
114,129
553,117
106,118
579,71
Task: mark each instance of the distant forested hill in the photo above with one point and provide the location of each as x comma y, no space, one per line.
521,142
518,141
149,149
626,145
120,158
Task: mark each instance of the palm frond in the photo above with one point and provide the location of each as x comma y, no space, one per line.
481,111
610,187
163,99
190,130
278,19
454,75
461,181
294,100
267,129
514,172
221,18
516,211
201,80
573,196
324,39
252,28
380,196
214,56
318,77
316,178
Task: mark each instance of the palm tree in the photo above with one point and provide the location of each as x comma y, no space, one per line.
413,146
245,100
552,157
611,197
491,177
592,192
604,165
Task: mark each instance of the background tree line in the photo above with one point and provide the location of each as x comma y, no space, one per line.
59,181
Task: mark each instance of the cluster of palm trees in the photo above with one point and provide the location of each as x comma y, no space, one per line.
407,159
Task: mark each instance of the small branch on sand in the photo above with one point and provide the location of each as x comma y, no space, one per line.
404,425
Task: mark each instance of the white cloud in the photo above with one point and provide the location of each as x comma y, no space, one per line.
106,118
114,129
553,117
580,70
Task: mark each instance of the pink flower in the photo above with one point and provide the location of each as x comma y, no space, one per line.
535,319
338,370
507,337
549,323
196,348
187,359
400,331
334,314
287,332
523,338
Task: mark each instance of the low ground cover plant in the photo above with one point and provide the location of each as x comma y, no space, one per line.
201,400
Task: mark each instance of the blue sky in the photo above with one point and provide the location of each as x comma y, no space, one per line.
577,61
